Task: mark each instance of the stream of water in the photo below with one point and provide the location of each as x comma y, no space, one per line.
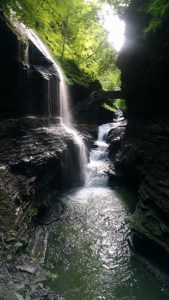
88,255
55,95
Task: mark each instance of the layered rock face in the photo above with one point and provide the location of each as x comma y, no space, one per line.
26,77
143,156
88,104
36,161
144,63
22,92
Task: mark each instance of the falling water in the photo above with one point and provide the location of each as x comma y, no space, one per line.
66,119
99,164
23,53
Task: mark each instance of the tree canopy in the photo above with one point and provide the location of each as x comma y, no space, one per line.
74,34
118,5
156,9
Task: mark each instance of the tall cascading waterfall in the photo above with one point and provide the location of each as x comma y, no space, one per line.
66,119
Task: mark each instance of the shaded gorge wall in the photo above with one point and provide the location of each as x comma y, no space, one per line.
144,61
27,77
143,155
35,160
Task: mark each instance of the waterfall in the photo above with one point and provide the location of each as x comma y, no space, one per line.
66,119
99,166
99,163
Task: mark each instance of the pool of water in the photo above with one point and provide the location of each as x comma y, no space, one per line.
88,255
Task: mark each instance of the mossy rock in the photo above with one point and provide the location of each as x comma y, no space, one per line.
7,213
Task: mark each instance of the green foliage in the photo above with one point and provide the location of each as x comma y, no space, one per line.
118,5
109,107
73,73
156,9
7,213
110,78
18,245
51,275
73,32
114,105
120,104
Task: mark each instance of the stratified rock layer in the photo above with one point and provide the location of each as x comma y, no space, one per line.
34,162
27,77
144,62
144,153
144,160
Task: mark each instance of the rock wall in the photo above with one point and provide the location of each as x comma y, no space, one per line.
144,63
26,76
33,164
88,104
143,155
36,161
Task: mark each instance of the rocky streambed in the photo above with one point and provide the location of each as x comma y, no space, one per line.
37,164
35,161
90,253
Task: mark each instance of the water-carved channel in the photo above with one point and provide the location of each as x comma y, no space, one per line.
73,220
88,255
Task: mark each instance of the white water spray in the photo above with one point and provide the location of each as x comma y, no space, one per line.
99,163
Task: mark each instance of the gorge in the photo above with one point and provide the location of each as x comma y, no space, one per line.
84,212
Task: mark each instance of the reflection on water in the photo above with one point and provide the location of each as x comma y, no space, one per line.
88,256
89,250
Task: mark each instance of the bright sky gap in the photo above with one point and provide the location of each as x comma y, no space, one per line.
113,25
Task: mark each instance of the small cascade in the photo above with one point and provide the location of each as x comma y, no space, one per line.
51,95
66,119
23,54
99,163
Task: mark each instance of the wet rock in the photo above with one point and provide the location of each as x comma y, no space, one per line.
115,139
33,163
143,156
27,269
18,246
9,258
143,160
90,110
115,177
32,166
24,280
23,84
